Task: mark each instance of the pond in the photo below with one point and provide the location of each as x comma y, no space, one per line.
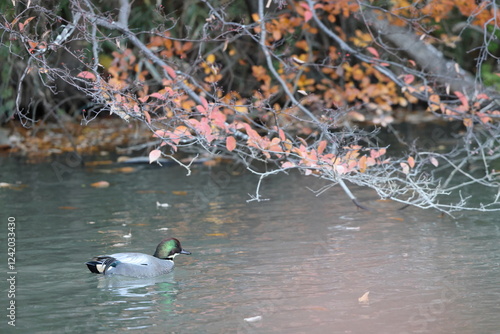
297,263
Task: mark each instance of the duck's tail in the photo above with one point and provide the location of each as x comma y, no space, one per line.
100,264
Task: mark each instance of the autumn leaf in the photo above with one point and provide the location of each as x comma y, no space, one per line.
158,96
204,102
364,299
87,75
230,143
434,161
154,155
373,51
411,162
100,184
170,71
405,167
362,164
463,99
322,146
408,78
147,116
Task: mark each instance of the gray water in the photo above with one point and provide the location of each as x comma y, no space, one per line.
296,263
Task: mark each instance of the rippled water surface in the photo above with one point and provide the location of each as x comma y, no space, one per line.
296,263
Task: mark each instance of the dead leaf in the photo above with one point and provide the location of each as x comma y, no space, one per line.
364,299
100,184
179,192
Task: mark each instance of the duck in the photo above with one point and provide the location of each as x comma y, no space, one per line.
138,264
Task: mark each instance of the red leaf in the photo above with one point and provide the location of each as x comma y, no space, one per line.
408,78
201,109
154,155
281,134
148,116
373,51
170,71
158,96
230,143
87,75
463,99
307,15
204,102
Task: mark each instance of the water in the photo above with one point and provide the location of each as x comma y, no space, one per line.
294,264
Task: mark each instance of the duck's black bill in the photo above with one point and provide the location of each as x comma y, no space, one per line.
185,252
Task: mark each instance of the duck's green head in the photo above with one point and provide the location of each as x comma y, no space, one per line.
169,248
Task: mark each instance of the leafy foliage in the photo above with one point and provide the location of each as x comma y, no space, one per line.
282,83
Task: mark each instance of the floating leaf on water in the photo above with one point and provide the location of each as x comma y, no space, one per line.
124,170
67,208
179,192
98,163
100,184
216,234
253,319
364,299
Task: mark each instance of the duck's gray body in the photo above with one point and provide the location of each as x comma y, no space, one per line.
138,264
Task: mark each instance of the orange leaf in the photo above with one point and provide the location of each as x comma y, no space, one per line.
411,162
230,143
154,155
100,184
362,164
322,146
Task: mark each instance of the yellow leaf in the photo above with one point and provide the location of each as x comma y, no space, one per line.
211,58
